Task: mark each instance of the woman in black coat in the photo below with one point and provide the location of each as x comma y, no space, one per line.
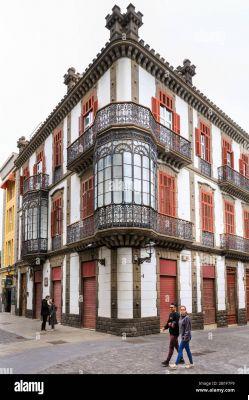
52,315
45,311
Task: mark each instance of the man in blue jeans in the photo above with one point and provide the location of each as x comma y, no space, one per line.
185,332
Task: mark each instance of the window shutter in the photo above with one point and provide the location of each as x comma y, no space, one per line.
21,184
246,224
35,169
198,142
232,159
176,123
167,195
241,166
59,212
95,107
225,148
207,150
52,221
155,107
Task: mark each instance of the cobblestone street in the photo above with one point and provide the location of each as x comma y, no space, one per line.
75,351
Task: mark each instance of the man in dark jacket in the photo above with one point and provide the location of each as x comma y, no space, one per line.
44,312
185,331
173,326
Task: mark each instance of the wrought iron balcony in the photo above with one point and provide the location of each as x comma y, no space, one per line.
126,217
175,148
80,230
207,239
234,243
205,167
233,182
56,242
35,183
34,247
174,227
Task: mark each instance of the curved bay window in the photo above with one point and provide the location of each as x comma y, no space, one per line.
34,224
125,173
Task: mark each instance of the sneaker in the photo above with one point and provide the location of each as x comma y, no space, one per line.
173,366
165,363
189,366
182,361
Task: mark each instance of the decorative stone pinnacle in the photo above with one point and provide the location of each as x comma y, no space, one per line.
187,71
124,25
71,78
22,143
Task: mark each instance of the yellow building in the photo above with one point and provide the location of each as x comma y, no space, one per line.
7,290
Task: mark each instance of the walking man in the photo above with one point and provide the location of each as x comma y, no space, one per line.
173,326
44,312
185,331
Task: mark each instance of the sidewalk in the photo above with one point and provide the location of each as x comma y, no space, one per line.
27,335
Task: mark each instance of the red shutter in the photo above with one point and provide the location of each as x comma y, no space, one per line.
87,198
167,195
57,149
21,184
35,169
176,123
198,142
60,217
241,167
246,224
207,212
224,156
52,222
232,159
229,218
95,107
155,106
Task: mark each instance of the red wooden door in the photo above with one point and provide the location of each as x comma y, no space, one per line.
231,297
38,298
89,295
209,300
168,288
89,302
247,293
57,298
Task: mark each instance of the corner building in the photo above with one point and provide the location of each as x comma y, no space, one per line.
132,194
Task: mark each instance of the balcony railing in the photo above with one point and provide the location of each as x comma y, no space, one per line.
205,167
56,242
120,114
34,246
175,227
236,243
125,215
228,175
36,182
207,239
80,230
129,216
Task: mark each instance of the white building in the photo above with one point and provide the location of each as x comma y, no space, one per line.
134,193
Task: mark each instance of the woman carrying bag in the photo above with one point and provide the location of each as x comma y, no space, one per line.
52,316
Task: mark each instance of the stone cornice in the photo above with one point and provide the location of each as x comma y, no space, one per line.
154,64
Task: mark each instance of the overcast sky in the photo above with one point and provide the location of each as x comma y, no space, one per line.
40,39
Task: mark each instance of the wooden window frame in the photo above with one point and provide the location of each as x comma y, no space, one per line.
207,211
90,105
56,216
227,149
87,197
167,195
229,217
167,101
